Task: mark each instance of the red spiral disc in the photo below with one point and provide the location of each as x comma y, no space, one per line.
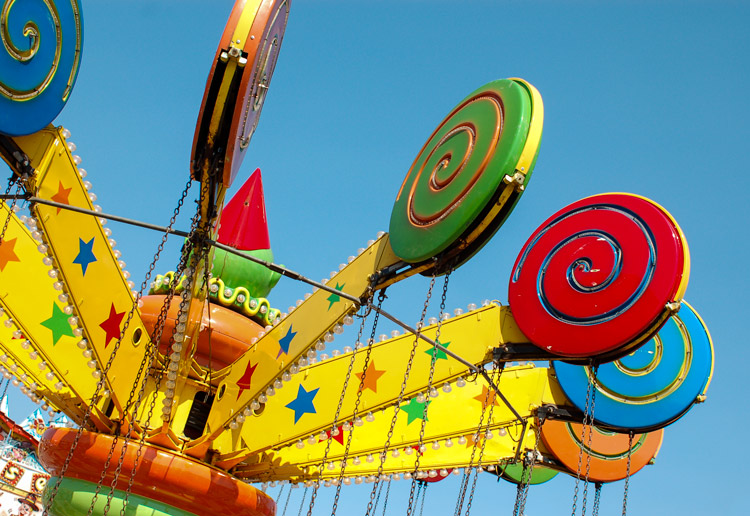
599,276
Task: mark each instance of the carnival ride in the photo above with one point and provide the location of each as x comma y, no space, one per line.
184,396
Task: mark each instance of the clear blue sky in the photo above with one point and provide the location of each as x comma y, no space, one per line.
640,96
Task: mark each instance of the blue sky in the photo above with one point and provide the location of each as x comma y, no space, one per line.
642,97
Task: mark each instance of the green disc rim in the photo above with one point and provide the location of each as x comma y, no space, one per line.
539,475
459,172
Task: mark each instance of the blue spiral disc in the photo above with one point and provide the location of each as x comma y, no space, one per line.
653,386
39,58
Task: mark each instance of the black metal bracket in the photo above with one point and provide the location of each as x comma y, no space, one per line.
18,161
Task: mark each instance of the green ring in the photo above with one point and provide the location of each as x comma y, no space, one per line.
459,172
74,496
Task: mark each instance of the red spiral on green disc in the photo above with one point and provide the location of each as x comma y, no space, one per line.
599,277
460,174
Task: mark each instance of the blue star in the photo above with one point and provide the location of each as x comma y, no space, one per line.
286,341
303,403
85,254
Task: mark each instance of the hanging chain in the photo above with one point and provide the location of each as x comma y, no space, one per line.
278,495
627,475
288,496
302,503
592,382
597,499
387,497
484,443
102,379
334,425
424,495
584,426
11,207
397,405
368,353
377,498
427,399
528,470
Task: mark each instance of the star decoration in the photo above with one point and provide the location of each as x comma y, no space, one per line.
58,323
338,437
487,398
111,325
372,376
62,195
7,253
335,298
415,410
286,341
244,382
85,254
471,441
440,355
303,403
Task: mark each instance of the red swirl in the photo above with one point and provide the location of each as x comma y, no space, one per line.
597,275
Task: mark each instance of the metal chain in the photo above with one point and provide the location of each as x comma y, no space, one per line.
424,495
278,495
288,496
387,497
397,405
484,443
148,356
10,208
468,471
302,503
627,476
597,499
334,425
368,353
427,399
528,466
86,418
377,498
583,437
592,382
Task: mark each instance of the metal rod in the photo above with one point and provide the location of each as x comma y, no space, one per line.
284,272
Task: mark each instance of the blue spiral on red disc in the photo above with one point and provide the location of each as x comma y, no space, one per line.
40,54
598,275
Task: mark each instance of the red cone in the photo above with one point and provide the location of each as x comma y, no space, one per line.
243,222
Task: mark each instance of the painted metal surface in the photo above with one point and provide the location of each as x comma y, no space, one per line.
653,386
603,453
177,481
516,474
600,276
41,50
467,167
237,85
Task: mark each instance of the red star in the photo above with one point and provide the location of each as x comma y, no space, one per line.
244,382
339,437
62,195
112,325
7,253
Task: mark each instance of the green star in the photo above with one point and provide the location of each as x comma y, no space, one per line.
58,323
440,355
335,298
415,410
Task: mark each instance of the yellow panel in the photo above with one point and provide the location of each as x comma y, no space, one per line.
454,415
289,340
242,31
46,344
472,336
86,265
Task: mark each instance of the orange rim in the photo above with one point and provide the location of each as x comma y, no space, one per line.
172,479
607,454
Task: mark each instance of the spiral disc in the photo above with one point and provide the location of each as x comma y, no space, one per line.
469,175
599,277
605,454
42,44
654,385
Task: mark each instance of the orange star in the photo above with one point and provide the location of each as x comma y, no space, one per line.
7,253
371,378
487,398
62,195
471,442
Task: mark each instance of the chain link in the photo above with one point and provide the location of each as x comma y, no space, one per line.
587,423
302,503
397,405
522,492
424,495
286,504
10,208
444,295
592,381
597,499
360,390
627,475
